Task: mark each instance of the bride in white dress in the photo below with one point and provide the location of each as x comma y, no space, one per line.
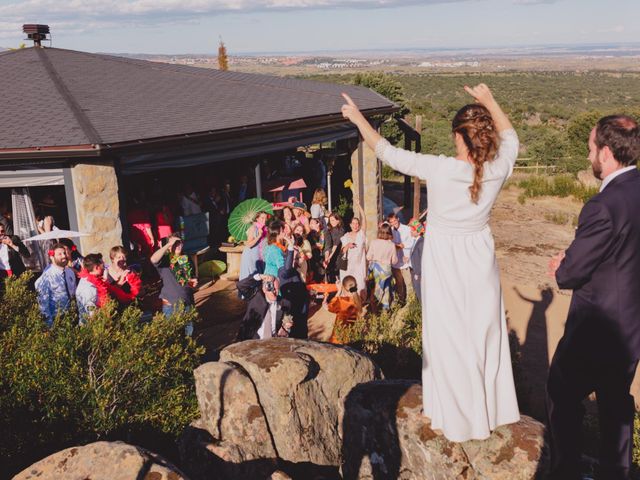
467,381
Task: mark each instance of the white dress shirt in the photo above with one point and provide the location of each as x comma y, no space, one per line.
272,313
403,236
4,257
611,176
190,205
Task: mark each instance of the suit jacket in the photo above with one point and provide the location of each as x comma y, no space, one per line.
602,267
15,258
257,309
416,255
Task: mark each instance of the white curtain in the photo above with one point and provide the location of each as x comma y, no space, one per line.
31,178
24,226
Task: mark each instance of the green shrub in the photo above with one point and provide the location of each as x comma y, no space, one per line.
557,218
116,377
344,208
389,87
557,186
392,338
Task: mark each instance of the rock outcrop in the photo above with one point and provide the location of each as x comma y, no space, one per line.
269,401
102,461
302,387
386,436
315,410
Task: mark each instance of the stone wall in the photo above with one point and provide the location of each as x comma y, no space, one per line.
371,187
97,207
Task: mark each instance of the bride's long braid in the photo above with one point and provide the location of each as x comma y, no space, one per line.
475,125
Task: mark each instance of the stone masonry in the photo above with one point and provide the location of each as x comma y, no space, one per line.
371,180
97,207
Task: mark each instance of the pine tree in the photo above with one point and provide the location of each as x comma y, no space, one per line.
223,59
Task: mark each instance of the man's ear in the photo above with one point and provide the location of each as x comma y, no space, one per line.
607,155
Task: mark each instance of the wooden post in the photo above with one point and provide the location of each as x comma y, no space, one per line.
258,180
416,180
360,176
407,179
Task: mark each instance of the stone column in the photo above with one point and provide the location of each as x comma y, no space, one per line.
97,207
366,190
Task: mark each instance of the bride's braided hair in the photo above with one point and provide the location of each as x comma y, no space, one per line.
475,125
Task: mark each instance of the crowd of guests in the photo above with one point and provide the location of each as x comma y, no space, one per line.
90,284
298,251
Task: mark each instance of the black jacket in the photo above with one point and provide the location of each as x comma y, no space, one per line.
602,267
257,309
15,258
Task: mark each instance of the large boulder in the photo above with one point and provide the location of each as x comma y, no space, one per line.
311,409
231,437
102,461
302,387
230,410
386,436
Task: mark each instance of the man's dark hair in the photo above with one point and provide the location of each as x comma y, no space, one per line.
67,242
91,261
385,232
391,216
621,134
56,246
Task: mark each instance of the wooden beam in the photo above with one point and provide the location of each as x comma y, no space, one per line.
407,179
360,175
416,180
258,180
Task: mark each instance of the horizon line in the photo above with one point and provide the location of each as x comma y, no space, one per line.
593,45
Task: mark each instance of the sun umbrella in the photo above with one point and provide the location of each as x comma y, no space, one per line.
56,234
243,216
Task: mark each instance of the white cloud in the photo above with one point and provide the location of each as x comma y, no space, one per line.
110,8
614,29
76,16
534,2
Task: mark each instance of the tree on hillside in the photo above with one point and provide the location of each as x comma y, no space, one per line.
223,59
578,132
392,89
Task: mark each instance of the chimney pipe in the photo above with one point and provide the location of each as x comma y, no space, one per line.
36,32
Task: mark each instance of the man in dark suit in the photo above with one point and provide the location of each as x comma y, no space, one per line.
12,250
294,290
600,348
415,258
265,315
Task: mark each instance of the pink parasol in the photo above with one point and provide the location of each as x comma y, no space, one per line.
294,185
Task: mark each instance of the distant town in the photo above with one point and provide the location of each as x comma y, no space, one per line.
573,58
547,58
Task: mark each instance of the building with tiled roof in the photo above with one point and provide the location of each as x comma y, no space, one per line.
90,119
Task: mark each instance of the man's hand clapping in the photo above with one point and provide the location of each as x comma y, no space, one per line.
554,264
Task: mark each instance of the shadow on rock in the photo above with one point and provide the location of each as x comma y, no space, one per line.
370,445
394,361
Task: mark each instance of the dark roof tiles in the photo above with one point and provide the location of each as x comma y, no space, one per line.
62,97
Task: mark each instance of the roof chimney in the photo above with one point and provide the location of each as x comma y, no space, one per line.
36,32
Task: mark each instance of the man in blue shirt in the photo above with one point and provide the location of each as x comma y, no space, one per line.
56,286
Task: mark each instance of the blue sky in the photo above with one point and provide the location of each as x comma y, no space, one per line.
193,26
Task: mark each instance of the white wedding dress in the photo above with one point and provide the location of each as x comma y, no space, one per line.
467,381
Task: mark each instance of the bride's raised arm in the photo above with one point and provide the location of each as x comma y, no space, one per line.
403,161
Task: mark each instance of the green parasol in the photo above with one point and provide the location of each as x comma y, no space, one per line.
244,215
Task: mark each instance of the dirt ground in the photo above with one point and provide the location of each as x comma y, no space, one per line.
526,235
